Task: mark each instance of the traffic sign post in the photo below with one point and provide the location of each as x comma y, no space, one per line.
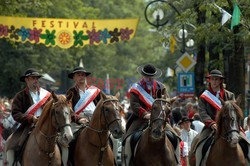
185,62
186,83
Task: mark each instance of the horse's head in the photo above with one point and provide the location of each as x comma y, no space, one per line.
61,117
159,114
111,109
228,122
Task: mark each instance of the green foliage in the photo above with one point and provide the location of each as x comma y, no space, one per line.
120,60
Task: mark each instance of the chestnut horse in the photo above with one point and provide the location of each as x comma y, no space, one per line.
154,147
92,146
41,148
225,150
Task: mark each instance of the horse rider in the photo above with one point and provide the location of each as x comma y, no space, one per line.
208,104
85,97
26,107
142,95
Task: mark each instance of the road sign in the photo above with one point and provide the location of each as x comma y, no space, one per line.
186,82
186,62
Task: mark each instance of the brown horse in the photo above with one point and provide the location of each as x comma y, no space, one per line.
154,148
41,148
92,146
225,149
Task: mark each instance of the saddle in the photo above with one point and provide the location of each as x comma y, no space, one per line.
72,145
134,141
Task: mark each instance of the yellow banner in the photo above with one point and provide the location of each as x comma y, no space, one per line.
66,33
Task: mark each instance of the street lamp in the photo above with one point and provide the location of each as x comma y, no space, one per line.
161,18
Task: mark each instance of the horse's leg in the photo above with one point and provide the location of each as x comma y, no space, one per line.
10,154
126,152
115,147
65,154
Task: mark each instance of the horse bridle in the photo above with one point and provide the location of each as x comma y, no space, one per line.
50,137
103,147
227,132
103,113
58,126
162,111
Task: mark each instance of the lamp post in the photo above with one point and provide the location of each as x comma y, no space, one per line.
159,16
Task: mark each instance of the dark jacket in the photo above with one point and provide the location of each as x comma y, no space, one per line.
21,102
208,112
136,121
76,96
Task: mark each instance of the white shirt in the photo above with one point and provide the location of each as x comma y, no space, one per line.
188,136
89,110
198,125
36,98
185,150
248,135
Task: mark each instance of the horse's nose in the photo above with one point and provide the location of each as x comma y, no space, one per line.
117,133
68,137
156,133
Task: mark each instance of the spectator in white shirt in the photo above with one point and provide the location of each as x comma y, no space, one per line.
198,125
187,134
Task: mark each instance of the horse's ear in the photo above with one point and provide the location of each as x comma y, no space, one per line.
117,95
163,93
70,96
54,96
222,101
172,100
103,96
239,99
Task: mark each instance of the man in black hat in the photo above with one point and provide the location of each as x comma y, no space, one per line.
84,101
187,134
142,95
85,97
209,103
26,107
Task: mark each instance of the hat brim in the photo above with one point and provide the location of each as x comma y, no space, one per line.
157,74
190,120
71,75
22,78
215,75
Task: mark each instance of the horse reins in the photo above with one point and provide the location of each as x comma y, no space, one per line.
162,111
103,147
51,137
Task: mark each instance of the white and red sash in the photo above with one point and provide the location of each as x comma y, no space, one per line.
147,99
89,95
211,99
44,95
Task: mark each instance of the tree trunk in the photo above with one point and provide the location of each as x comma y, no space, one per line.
200,65
213,57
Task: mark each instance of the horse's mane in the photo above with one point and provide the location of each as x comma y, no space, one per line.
45,112
224,111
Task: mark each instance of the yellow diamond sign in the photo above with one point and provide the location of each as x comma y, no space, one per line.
186,62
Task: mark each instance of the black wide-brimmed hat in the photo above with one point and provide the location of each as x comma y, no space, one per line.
215,73
30,72
78,69
185,119
149,70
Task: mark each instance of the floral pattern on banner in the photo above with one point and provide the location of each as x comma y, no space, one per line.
115,35
24,33
125,33
35,35
49,37
79,37
94,36
3,30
